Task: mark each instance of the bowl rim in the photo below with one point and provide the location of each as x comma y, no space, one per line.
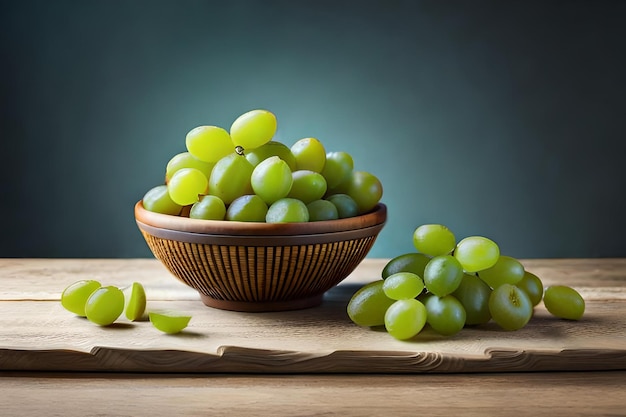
377,216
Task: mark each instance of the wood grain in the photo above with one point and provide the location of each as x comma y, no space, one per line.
37,334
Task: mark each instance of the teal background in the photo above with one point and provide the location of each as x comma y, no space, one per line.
504,119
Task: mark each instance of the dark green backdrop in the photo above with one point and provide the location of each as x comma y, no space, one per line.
499,118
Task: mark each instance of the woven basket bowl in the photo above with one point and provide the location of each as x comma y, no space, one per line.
245,266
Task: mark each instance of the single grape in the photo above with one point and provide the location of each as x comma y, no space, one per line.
407,262
158,200
187,160
75,296
271,179
320,210
368,305
403,285
510,307
531,285
272,148
209,143
405,318
473,293
287,210
564,302
186,185
477,253
209,207
247,208
346,206
434,239
307,186
169,322
310,154
338,167
445,315
105,305
135,302
506,270
253,129
366,190
443,275
230,178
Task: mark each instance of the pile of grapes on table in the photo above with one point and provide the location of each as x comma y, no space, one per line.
244,175
450,285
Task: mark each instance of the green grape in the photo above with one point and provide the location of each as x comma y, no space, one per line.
506,270
186,185
209,207
271,179
445,315
564,302
307,186
135,302
272,148
434,239
510,307
338,167
531,285
405,318
320,210
287,210
187,160
473,294
169,322
310,154
366,190
75,296
407,262
230,178
403,285
158,200
105,305
247,208
477,253
368,305
209,143
443,275
253,129
346,206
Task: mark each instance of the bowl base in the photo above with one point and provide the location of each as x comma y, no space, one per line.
257,307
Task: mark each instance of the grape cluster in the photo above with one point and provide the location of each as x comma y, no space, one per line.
103,305
449,285
244,175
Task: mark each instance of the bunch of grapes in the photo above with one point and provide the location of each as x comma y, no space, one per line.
244,175
449,285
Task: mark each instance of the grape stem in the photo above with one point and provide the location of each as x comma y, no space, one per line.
239,150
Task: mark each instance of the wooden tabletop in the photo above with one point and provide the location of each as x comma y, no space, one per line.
308,362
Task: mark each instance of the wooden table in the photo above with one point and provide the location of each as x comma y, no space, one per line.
302,363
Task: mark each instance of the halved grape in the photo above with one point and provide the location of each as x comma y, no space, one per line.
445,315
135,302
443,275
403,285
75,296
405,318
368,305
105,305
510,307
169,322
506,270
477,253
434,239
564,302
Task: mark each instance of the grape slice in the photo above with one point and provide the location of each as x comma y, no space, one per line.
169,322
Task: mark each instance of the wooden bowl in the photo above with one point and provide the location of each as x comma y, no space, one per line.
245,266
